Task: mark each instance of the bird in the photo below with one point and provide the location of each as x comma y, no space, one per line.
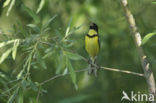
92,46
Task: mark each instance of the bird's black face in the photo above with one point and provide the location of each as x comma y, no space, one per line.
94,26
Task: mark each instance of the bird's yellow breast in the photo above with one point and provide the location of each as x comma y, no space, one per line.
92,32
92,45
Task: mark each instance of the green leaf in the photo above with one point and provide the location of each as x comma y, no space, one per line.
20,98
74,29
72,72
147,37
44,91
49,21
154,2
34,27
24,84
73,56
10,7
42,2
43,64
67,32
2,75
2,44
65,71
68,28
33,86
6,3
29,63
14,49
5,55
58,34
13,96
31,13
20,74
62,60
48,53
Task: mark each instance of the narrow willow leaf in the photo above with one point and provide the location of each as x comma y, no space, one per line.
5,55
33,86
48,53
10,7
31,13
13,96
37,84
42,2
14,49
73,56
67,32
71,70
49,21
29,64
48,50
34,27
74,29
6,3
62,60
20,74
43,64
68,28
65,71
58,34
20,98
2,44
2,75
147,37
44,91
46,30
76,87
24,84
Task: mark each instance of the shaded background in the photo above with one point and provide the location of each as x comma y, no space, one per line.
117,49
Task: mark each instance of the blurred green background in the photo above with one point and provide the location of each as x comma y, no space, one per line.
25,21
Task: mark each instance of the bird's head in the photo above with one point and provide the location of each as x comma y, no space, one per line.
94,26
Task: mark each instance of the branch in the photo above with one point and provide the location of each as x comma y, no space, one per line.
122,71
82,70
137,38
60,75
38,94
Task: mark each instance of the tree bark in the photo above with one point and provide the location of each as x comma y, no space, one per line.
148,74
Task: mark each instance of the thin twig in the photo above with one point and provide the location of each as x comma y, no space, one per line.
60,75
82,70
4,93
38,94
45,43
122,71
143,58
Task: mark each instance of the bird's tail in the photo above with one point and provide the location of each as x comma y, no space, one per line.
92,68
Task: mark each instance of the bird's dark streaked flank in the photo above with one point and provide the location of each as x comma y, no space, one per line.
92,45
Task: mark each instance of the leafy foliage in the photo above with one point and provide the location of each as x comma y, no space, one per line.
147,37
40,39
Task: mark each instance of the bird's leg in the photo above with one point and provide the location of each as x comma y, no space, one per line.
95,67
90,66
90,69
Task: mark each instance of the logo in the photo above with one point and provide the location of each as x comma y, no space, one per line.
137,96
